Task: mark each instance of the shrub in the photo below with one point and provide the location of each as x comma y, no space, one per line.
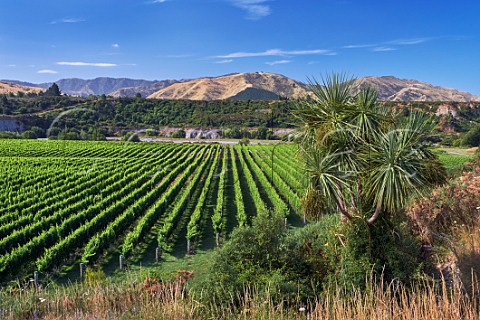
472,137
302,262
131,137
29,135
254,257
448,221
151,132
447,207
379,250
244,141
179,134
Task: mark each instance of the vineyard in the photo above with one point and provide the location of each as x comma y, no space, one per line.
65,202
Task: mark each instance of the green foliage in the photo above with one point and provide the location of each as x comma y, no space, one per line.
9,135
38,132
244,141
95,276
305,261
179,134
116,114
53,91
366,163
131,137
380,250
453,162
255,94
266,255
360,157
252,257
151,132
472,137
29,135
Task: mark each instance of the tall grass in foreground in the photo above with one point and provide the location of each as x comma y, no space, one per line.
154,300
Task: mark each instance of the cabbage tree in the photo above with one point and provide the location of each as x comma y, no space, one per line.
361,159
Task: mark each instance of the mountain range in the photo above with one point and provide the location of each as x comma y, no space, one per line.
253,85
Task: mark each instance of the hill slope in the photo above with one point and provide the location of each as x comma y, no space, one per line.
144,90
225,87
393,89
253,86
6,87
97,86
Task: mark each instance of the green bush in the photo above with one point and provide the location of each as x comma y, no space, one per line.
380,250
179,134
252,258
472,137
244,141
131,137
303,262
151,132
29,135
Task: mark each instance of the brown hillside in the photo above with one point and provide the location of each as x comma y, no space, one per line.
393,89
14,88
225,87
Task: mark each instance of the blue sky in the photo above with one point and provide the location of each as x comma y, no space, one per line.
432,41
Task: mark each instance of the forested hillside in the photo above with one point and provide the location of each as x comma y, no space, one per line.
106,116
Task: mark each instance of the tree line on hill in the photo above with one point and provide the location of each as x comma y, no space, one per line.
110,116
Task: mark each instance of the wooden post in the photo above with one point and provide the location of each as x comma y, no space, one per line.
158,254
217,238
121,261
286,223
304,219
82,271
189,247
35,279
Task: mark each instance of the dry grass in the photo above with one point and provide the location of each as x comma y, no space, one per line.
132,301
227,86
15,88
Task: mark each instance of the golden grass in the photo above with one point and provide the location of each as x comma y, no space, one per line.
132,301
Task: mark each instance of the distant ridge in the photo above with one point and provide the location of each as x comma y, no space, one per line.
390,88
145,90
6,87
83,88
226,87
252,85
97,86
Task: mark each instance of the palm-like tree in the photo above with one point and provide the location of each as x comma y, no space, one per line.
360,159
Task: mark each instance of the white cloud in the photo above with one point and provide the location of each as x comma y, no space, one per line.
224,61
68,20
256,9
115,45
275,52
12,65
272,63
409,41
86,64
383,49
358,46
47,71
384,46
159,1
